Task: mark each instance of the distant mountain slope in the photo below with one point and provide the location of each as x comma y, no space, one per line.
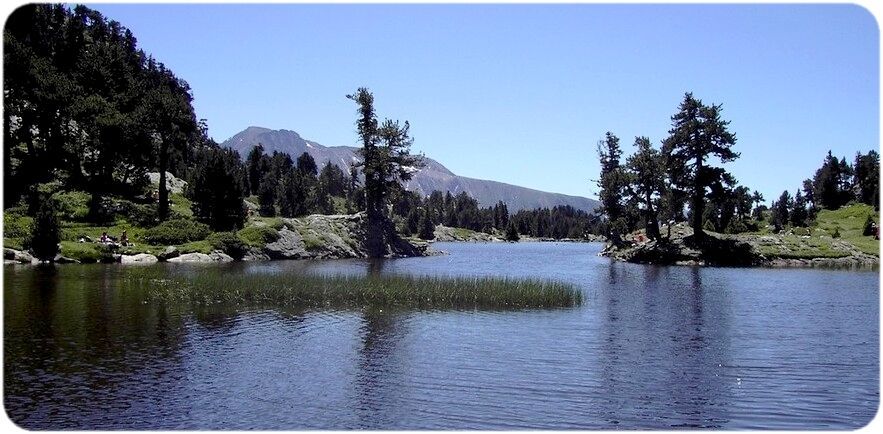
434,176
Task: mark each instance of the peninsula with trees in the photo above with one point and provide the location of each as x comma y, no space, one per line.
831,220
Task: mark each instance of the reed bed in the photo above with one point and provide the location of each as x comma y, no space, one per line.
430,292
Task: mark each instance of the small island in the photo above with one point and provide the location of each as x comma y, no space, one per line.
832,220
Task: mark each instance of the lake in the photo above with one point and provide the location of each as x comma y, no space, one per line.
650,348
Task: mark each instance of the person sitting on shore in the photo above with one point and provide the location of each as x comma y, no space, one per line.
104,238
124,239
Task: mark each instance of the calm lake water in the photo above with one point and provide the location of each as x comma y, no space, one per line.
651,347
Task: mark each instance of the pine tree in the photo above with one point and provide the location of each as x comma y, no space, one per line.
512,232
268,193
386,160
45,233
256,164
647,176
217,189
426,230
867,178
612,185
697,133
831,184
780,210
798,213
757,200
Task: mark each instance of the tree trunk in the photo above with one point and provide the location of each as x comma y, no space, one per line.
162,209
698,204
652,222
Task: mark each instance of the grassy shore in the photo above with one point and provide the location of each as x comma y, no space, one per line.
203,288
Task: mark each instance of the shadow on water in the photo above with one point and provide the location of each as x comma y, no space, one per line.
380,374
75,343
376,266
657,345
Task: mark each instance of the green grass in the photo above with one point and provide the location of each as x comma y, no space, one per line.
311,241
273,222
73,205
258,236
850,221
201,246
181,205
71,231
466,234
16,225
339,204
13,243
795,247
203,288
85,252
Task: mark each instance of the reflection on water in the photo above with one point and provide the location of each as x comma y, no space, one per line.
652,347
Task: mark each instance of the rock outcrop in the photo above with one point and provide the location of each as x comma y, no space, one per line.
332,236
140,258
734,250
448,234
173,184
13,256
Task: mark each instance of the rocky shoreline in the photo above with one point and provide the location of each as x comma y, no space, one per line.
741,250
310,237
448,234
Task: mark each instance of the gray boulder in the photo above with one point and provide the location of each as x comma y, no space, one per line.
173,184
192,257
219,256
65,260
288,246
18,256
169,253
141,258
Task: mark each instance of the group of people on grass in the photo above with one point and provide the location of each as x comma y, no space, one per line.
108,240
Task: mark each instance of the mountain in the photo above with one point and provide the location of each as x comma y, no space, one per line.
434,176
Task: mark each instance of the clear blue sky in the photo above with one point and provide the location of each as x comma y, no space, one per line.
522,93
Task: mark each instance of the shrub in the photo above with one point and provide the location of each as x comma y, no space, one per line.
143,215
45,232
87,253
258,236
16,225
708,226
73,205
735,226
800,231
101,210
870,226
176,231
229,243
425,228
512,232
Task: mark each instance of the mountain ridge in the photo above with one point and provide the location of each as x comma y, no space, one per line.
433,176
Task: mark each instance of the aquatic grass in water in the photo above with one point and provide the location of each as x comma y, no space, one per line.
206,288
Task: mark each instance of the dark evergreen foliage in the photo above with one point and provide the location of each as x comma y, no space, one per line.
512,232
698,133
386,161
831,183
867,178
217,188
45,233
646,170
425,228
781,210
612,185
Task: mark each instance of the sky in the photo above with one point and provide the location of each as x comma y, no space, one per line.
523,93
